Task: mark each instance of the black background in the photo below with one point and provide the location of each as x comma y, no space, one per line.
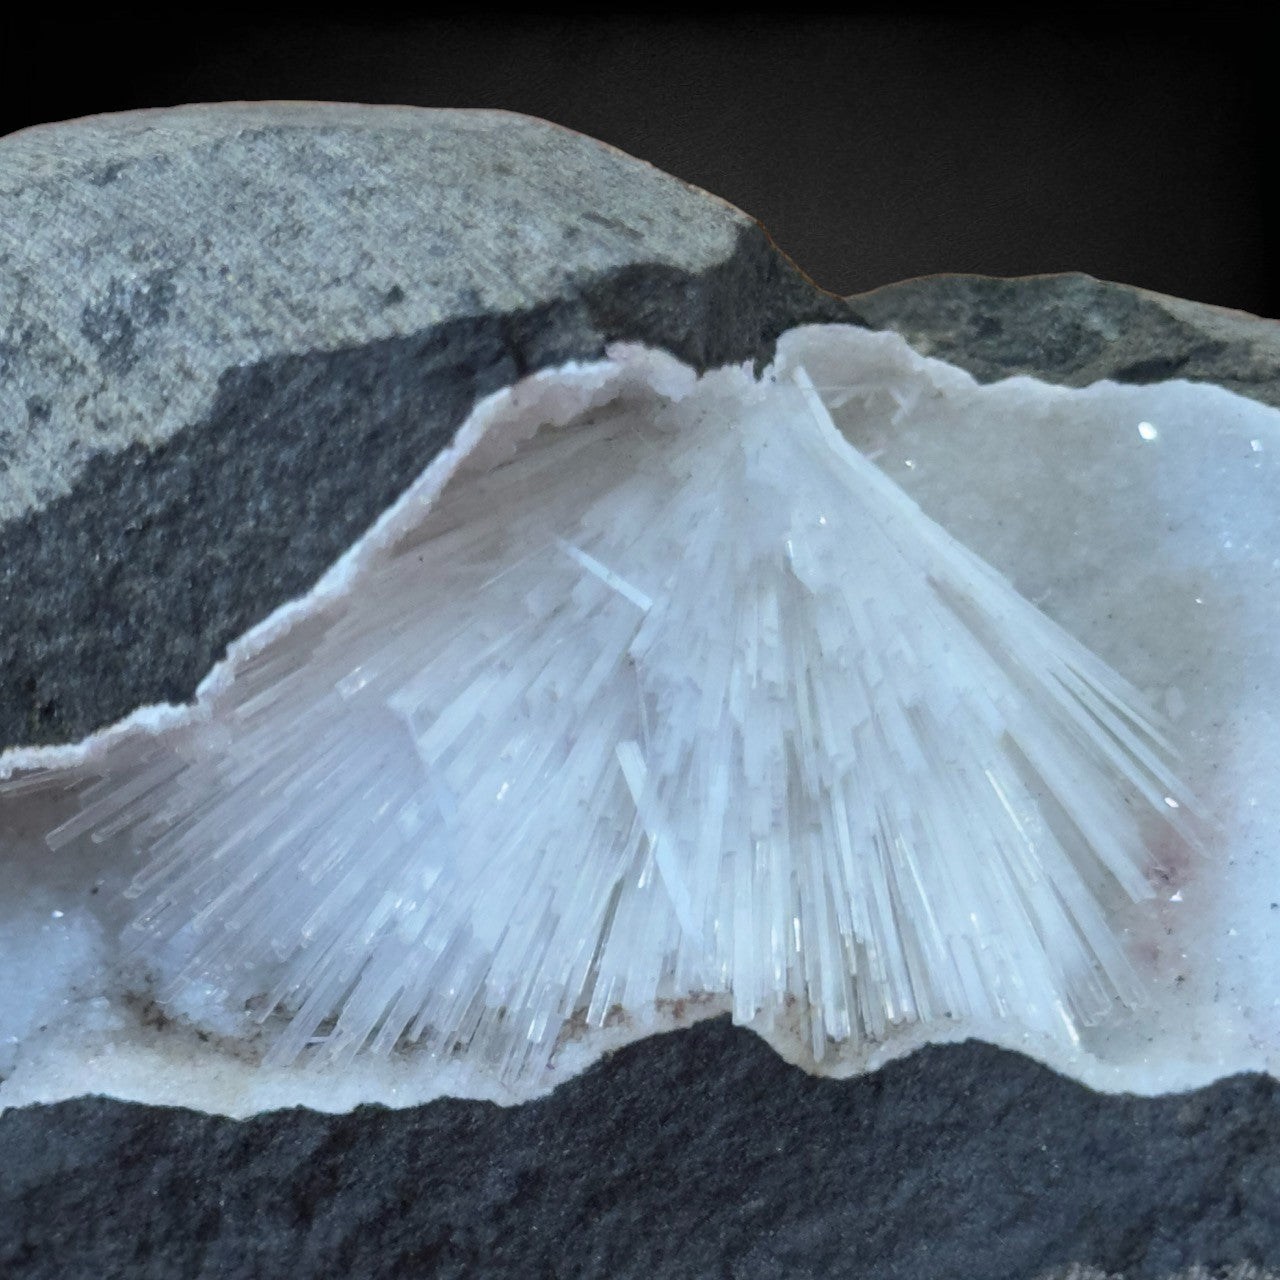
1128,142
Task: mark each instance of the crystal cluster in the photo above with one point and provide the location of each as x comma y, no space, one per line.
683,697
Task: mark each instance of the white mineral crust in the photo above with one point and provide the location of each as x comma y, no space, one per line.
657,697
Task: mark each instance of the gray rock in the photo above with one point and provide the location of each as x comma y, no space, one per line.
1074,330
232,337
692,1155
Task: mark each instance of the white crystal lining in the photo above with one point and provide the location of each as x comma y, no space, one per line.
679,698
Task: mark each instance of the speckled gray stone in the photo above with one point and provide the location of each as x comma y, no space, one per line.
243,443
698,1154
230,336
1074,330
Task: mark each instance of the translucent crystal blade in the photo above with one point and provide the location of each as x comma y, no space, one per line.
681,698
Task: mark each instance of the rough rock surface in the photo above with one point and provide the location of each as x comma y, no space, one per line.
692,1154
1074,330
231,336
206,391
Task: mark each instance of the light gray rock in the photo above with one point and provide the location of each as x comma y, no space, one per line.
231,335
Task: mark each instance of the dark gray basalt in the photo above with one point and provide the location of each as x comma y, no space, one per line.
695,1154
201,412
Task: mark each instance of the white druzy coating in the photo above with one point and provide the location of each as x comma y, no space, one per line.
680,698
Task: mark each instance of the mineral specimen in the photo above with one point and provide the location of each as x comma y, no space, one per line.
644,692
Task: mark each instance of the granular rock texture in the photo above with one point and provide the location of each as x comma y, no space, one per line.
231,336
1073,330
693,1154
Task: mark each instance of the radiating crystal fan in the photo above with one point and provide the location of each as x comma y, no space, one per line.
682,697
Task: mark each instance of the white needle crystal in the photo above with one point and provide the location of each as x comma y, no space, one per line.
683,697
